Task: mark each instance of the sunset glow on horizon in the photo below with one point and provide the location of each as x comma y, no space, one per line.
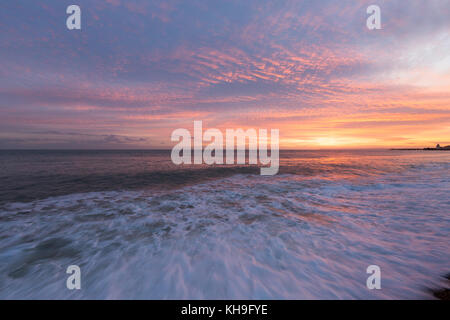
137,70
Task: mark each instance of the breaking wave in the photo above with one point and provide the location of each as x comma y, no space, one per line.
237,236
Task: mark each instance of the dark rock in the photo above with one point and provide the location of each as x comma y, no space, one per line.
444,293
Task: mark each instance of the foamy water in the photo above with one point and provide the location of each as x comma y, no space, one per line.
309,232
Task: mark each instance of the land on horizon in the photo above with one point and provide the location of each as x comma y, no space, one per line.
437,148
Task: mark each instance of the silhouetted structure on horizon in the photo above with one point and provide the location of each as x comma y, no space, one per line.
438,147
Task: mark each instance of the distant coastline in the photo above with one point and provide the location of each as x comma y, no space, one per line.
437,148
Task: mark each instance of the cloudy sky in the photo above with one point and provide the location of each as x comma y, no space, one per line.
137,70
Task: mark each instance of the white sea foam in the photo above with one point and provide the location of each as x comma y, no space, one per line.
240,237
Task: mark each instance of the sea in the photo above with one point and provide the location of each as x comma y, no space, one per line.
140,227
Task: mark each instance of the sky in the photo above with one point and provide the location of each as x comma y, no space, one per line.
139,69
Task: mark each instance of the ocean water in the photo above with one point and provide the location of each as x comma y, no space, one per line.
140,227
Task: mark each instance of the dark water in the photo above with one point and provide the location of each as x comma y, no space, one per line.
140,227
32,175
28,175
